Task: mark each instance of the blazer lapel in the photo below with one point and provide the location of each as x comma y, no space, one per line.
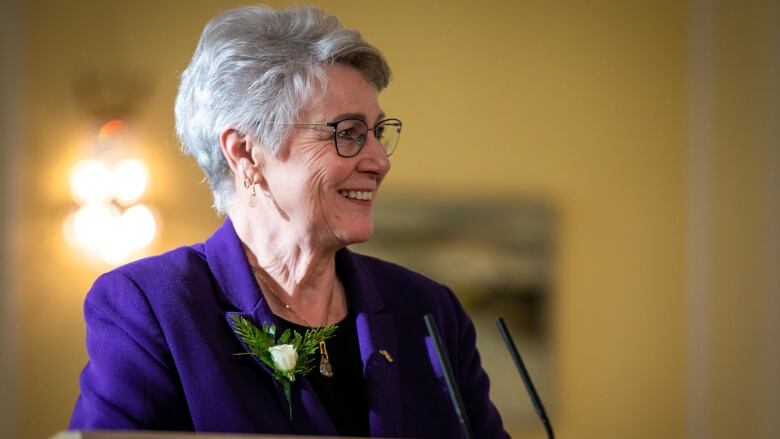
376,332
227,261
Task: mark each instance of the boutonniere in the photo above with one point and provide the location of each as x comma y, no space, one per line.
288,355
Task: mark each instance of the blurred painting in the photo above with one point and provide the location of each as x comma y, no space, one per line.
497,256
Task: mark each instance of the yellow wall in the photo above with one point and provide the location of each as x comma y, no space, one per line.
583,103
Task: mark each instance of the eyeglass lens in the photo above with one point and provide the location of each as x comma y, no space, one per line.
352,134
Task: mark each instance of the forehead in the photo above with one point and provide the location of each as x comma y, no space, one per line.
347,92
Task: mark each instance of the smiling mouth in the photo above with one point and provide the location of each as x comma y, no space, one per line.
357,195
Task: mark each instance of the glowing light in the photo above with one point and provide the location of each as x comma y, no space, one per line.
114,249
90,182
93,225
108,235
109,225
138,226
130,177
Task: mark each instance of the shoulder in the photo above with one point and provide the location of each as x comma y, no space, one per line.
162,278
173,266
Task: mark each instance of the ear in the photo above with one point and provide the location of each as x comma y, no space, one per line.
237,149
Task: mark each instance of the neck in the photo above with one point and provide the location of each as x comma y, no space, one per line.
299,271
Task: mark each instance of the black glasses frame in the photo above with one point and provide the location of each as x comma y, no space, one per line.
361,140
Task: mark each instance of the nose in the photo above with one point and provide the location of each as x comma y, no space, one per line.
373,158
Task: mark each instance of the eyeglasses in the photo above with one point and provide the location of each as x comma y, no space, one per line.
350,135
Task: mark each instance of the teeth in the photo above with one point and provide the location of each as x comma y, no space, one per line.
357,195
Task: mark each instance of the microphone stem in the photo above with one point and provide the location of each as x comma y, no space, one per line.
529,385
449,377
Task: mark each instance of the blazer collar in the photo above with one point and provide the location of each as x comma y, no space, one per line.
376,332
375,326
228,263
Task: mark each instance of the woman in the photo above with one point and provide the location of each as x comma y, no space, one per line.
280,110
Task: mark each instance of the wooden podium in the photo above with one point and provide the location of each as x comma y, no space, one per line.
170,435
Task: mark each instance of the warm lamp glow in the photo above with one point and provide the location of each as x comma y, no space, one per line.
114,250
93,225
90,182
105,233
138,226
129,180
109,224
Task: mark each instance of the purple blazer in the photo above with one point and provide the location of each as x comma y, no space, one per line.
161,350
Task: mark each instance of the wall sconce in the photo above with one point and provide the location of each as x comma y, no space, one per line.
110,224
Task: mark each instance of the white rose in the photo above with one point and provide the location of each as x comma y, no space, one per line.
284,356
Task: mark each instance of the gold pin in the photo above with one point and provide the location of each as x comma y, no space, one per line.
325,367
387,355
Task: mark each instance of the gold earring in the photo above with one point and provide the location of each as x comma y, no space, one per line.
252,193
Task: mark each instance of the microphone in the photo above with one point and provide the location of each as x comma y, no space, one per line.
449,377
529,385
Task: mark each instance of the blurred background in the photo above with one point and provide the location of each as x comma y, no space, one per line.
612,168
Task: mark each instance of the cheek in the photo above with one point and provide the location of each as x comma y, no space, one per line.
317,186
322,172
316,190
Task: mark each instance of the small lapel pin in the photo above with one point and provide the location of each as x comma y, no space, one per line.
387,355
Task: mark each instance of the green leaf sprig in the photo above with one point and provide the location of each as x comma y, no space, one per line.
261,340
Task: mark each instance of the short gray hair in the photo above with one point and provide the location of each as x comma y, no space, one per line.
255,69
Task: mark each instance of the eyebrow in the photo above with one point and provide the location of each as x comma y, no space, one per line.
359,116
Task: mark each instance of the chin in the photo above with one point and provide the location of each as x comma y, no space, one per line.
357,234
